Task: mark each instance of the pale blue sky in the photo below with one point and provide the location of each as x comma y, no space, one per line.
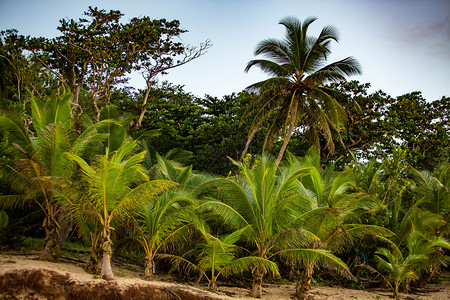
402,45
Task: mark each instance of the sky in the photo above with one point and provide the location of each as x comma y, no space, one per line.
402,45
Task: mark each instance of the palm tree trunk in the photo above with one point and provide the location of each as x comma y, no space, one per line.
249,140
304,283
212,284
94,255
289,133
51,238
256,291
149,267
66,223
106,272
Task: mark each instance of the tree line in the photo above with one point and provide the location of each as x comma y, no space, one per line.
360,185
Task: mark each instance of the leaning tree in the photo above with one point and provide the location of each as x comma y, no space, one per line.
296,94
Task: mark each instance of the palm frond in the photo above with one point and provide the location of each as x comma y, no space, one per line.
320,257
15,127
248,263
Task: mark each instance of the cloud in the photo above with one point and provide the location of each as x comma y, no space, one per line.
423,26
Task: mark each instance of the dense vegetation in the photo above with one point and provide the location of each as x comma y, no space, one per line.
360,187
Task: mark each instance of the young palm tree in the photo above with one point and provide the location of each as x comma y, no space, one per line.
433,248
40,160
163,220
332,218
116,184
422,254
431,191
218,256
265,200
397,268
296,93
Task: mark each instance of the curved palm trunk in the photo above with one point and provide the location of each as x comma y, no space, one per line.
106,272
304,283
249,140
290,131
51,237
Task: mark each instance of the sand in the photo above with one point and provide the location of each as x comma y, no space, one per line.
67,277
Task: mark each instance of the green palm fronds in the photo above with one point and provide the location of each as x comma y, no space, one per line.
296,95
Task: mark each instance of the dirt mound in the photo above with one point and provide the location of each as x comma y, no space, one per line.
48,284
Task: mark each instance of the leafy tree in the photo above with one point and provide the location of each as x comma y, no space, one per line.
422,129
377,124
208,126
20,73
96,53
296,94
367,134
222,134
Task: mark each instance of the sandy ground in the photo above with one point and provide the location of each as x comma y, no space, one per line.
129,275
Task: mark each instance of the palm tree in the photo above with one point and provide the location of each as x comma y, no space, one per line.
433,248
265,200
218,256
40,162
171,216
296,93
422,254
116,185
397,269
431,191
163,220
335,204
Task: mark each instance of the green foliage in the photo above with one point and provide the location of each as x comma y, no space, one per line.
20,74
30,243
296,94
3,220
115,184
96,53
377,124
208,128
122,164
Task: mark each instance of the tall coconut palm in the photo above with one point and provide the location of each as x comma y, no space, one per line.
117,184
296,94
40,161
